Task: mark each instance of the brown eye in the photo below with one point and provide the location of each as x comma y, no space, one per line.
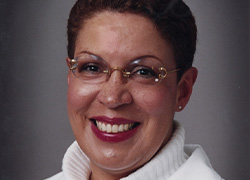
90,68
143,72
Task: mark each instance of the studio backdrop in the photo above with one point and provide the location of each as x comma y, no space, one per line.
35,131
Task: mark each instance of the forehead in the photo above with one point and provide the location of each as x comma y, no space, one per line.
121,35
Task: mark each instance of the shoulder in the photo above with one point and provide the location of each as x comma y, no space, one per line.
58,176
196,167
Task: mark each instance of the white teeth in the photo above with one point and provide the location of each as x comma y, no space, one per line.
114,128
109,128
121,129
104,128
126,127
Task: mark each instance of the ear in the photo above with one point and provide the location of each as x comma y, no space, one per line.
68,61
68,64
185,88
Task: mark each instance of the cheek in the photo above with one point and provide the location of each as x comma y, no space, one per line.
157,101
80,96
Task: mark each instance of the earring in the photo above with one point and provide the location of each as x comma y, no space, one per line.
179,107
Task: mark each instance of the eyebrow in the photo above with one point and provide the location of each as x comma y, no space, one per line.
147,56
92,54
131,60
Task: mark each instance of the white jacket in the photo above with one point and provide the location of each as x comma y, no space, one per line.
175,161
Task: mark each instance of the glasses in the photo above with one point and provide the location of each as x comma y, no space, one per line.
93,69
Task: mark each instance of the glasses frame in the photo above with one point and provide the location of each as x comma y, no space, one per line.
73,64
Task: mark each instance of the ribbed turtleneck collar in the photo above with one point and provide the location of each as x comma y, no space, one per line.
162,166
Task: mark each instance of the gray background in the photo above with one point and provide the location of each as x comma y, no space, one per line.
35,131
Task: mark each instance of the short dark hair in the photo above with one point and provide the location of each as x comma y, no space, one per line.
172,18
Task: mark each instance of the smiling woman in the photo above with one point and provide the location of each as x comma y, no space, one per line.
130,70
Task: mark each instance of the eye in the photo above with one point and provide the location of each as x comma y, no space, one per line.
90,68
143,72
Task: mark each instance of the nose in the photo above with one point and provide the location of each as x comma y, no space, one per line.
115,91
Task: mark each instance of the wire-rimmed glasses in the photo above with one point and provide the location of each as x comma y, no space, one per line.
93,69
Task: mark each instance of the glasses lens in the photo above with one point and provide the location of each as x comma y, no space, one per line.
93,69
90,68
145,70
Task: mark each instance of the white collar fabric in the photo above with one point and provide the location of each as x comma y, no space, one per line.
175,161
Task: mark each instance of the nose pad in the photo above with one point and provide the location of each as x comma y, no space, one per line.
124,72
115,92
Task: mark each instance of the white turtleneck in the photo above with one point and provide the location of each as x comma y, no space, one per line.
173,162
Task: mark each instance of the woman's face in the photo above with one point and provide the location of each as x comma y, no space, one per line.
119,38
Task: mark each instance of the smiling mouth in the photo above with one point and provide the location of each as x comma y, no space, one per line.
114,128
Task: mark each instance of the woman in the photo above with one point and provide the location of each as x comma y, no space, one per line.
130,70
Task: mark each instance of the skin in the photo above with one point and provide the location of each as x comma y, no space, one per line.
118,38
